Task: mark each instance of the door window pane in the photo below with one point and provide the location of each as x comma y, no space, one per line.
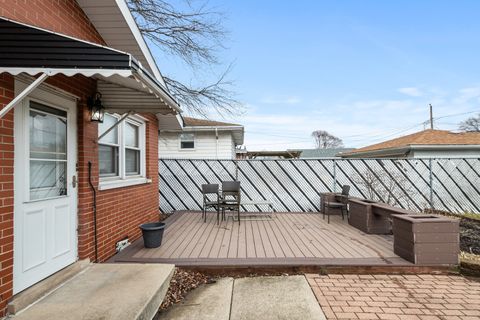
108,122
48,151
108,160
132,162
131,135
47,179
48,136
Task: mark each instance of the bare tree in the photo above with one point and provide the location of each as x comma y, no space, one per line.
193,32
392,189
325,140
471,124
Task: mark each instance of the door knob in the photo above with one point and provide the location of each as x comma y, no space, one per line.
74,181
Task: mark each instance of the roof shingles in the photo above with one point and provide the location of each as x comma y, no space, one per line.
425,137
194,122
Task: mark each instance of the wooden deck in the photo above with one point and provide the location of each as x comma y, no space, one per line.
288,239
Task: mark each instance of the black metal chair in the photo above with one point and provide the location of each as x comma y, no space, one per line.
341,202
231,197
209,190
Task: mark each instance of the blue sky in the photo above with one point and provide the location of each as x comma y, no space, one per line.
363,70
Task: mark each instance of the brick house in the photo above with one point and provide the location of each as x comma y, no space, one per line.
60,61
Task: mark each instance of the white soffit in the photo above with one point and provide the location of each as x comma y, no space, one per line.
116,25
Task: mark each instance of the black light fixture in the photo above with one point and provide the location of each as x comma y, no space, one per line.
97,110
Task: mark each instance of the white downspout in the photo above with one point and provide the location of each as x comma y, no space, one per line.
216,143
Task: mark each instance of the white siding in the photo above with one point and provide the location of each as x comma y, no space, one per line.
205,146
445,154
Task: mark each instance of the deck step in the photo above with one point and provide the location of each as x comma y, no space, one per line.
106,291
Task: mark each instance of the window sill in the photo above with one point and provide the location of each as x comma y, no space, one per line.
112,184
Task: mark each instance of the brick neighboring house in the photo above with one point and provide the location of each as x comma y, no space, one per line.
424,144
63,50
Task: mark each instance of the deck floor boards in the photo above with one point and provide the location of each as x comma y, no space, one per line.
286,239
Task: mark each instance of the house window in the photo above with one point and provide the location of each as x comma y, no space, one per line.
187,141
121,152
109,148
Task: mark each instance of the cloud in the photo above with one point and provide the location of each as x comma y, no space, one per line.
411,91
358,122
468,94
281,100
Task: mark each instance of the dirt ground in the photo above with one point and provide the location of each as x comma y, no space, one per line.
183,282
470,235
469,230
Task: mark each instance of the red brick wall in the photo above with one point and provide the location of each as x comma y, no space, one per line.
119,211
62,16
6,193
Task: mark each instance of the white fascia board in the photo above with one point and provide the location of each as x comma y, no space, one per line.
127,15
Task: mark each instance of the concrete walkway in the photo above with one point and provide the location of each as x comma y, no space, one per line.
107,292
255,298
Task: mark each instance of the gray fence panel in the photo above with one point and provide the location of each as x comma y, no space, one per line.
295,185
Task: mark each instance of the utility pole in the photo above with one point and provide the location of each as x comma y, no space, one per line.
431,116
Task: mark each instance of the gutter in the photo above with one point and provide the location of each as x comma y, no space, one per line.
392,152
207,128
447,147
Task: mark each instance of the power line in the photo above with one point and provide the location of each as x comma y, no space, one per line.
368,137
456,114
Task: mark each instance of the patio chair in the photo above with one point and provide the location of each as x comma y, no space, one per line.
340,201
209,190
231,197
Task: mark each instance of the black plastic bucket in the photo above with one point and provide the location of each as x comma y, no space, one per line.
152,234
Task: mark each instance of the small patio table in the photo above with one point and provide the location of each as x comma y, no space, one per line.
267,203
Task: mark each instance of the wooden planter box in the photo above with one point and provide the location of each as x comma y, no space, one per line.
360,214
426,239
372,217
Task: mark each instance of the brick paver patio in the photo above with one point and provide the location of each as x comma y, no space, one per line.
397,296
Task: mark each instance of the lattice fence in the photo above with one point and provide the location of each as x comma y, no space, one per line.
295,185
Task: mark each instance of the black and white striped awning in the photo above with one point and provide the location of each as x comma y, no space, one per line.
124,84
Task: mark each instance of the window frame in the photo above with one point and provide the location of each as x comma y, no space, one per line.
124,179
180,141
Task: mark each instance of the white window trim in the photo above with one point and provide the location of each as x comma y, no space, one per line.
124,180
180,142
118,183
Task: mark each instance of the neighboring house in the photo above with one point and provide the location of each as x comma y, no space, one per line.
424,144
321,153
200,139
61,61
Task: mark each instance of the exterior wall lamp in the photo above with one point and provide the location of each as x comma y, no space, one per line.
97,110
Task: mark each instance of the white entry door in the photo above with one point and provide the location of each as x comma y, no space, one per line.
45,218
